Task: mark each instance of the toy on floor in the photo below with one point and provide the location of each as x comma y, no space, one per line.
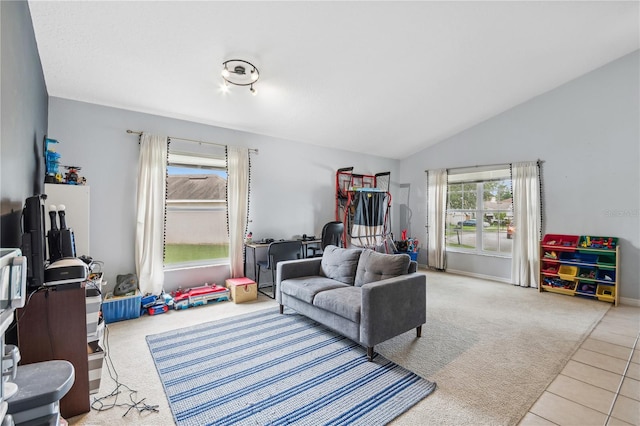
159,308
196,296
154,305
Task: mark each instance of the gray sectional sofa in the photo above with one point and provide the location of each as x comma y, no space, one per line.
364,295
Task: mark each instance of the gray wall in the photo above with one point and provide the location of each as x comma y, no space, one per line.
292,184
587,134
23,117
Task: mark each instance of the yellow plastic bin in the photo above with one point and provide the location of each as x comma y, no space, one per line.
568,272
606,293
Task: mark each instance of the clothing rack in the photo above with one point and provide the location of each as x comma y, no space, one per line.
135,132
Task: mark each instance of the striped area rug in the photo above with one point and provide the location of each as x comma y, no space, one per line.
270,369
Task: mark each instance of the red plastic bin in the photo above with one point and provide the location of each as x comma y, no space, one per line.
560,241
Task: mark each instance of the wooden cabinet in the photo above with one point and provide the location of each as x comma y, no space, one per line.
584,266
53,325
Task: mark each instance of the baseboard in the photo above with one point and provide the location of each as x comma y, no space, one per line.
629,301
481,276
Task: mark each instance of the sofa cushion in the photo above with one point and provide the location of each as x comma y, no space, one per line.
305,288
374,266
344,301
339,263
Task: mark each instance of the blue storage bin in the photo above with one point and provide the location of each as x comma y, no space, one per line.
586,257
607,275
120,308
576,257
414,255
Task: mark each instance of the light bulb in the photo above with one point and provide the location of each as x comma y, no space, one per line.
254,75
225,72
253,91
224,87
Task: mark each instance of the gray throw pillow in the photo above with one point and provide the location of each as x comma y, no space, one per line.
374,266
339,263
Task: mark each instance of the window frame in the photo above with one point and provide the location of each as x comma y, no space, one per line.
195,161
479,177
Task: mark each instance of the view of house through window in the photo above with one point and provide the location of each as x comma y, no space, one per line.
196,217
480,213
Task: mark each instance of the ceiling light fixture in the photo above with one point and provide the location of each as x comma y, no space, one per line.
240,73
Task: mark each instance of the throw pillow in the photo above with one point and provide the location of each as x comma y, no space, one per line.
374,266
339,263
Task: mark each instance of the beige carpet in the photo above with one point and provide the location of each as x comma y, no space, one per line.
491,347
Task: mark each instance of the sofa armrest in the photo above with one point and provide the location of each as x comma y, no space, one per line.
295,269
391,307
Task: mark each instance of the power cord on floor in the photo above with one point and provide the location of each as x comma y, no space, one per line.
101,404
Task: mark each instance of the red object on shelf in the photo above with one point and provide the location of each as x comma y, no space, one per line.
560,242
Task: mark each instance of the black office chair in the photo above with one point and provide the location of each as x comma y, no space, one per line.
331,235
277,252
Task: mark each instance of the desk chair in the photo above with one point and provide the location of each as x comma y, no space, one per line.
277,252
331,235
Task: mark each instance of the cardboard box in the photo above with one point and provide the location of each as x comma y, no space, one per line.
242,289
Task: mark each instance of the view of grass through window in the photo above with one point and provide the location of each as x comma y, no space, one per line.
196,218
180,253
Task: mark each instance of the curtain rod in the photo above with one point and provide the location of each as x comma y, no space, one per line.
486,165
189,140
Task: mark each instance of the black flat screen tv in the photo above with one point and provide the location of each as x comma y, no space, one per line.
34,239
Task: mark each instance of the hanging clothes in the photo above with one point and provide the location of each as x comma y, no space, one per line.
370,218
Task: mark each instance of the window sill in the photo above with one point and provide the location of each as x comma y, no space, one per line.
196,265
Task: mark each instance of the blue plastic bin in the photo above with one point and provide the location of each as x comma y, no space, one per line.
120,308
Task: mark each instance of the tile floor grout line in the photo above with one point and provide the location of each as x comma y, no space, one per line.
610,356
604,341
576,402
587,383
624,373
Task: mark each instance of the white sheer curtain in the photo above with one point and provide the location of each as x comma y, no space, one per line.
150,209
436,217
237,206
527,218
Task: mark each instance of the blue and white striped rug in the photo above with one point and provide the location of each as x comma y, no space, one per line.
270,369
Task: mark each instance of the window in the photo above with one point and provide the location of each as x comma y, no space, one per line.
479,212
196,214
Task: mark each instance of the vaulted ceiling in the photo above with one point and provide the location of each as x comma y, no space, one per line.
385,78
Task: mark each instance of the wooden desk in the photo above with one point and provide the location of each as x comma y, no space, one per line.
53,325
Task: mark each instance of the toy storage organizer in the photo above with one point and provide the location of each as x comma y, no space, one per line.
584,266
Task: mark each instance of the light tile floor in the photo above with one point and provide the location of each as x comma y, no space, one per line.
600,385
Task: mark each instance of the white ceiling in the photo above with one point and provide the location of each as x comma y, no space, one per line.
385,78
